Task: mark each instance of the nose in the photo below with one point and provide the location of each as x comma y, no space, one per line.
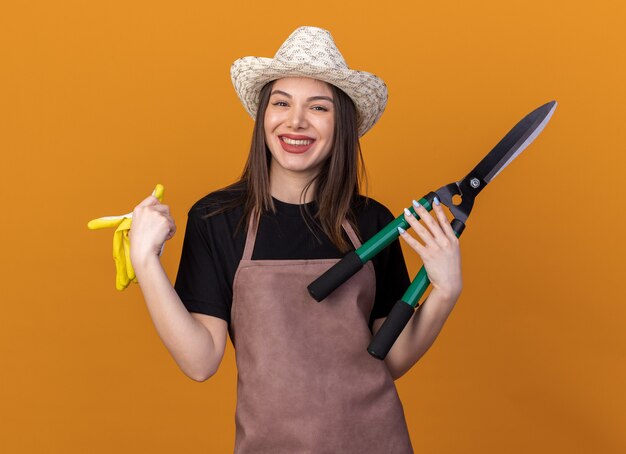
297,117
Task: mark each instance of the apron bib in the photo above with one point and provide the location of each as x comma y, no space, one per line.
305,382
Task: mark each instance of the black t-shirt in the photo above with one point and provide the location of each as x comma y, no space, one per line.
212,250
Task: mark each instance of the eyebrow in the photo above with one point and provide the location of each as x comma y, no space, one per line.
312,98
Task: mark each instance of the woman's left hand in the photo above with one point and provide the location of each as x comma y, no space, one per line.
439,252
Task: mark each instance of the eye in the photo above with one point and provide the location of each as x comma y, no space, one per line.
320,108
280,104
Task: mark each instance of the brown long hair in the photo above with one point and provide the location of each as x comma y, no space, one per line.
337,185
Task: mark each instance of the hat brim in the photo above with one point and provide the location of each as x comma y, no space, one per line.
367,91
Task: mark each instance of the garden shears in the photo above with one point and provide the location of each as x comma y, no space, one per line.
511,145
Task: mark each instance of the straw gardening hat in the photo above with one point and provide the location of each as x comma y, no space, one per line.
311,52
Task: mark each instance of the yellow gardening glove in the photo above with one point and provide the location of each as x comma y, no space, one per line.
125,274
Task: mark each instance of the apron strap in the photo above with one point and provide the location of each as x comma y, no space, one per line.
253,227
351,234
250,237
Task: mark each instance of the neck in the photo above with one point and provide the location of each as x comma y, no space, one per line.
287,186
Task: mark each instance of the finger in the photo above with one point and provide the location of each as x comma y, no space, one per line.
169,218
433,225
172,227
164,209
148,201
421,231
157,214
443,219
419,248
146,210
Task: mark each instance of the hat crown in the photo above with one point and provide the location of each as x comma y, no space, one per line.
313,46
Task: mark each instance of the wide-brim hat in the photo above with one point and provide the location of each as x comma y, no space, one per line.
311,52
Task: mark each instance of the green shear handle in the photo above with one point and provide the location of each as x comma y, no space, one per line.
354,261
402,311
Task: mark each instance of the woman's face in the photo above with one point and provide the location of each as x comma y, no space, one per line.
299,125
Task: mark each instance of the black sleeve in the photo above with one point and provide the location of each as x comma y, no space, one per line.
392,277
198,279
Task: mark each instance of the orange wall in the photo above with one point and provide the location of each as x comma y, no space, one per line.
99,101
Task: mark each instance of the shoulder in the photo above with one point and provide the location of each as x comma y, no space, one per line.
217,218
367,207
222,200
370,215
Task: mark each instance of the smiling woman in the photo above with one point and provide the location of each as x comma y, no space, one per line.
305,380
329,118
298,131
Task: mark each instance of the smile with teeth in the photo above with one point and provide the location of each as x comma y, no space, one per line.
299,142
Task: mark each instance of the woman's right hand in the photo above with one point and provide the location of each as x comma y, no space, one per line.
152,226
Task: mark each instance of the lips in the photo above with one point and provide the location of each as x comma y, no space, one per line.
295,144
